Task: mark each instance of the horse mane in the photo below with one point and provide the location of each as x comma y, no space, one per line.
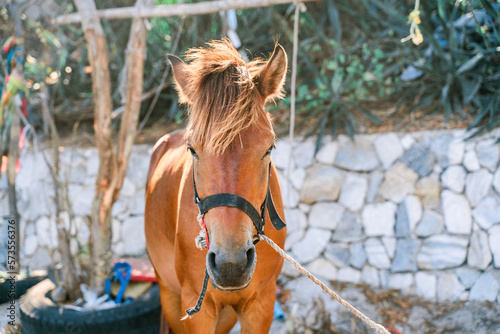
223,97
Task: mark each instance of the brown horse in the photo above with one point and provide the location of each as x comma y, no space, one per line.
222,159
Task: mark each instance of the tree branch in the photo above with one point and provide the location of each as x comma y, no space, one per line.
206,7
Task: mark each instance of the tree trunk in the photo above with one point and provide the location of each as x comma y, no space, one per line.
100,241
112,166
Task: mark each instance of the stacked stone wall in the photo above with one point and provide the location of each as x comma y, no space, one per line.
418,212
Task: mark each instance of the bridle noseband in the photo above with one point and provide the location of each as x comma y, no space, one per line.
239,202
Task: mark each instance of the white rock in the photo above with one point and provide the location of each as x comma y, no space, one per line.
39,199
323,268
357,255
456,151
304,207
120,207
376,254
383,276
431,223
118,249
429,190
485,289
467,276
133,236
357,156
303,155
401,282
297,178
496,181
487,212
337,254
442,251
376,178
289,270
326,215
379,219
407,141
30,245
296,220
388,149
353,191
311,245
138,166
457,213
93,164
399,181
425,284
413,209
4,204
493,238
348,274
41,259
81,199
479,253
369,275
488,154
289,195
390,245
471,162
46,232
82,230
448,287
322,183
115,230
281,155
454,178
137,204
327,154
478,185
128,189
293,237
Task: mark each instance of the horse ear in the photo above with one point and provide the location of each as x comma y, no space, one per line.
272,77
181,75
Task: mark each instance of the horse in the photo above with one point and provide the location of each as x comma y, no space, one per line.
222,160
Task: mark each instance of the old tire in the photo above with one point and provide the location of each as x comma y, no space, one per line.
39,315
21,285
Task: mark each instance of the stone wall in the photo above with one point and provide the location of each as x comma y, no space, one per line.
418,212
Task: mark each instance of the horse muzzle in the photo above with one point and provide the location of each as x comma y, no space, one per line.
230,269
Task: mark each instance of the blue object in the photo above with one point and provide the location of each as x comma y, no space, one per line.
278,312
121,273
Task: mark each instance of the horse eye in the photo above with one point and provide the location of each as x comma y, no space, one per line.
192,151
268,152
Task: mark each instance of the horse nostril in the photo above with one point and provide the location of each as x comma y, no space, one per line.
211,261
250,257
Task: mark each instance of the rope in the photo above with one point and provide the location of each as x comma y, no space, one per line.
379,328
191,311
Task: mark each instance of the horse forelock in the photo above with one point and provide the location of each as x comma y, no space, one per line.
225,100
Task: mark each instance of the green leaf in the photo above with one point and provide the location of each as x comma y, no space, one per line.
441,10
489,8
470,64
470,88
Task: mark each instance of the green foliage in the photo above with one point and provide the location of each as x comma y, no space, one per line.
463,71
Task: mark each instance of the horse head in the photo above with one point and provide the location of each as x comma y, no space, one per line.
230,137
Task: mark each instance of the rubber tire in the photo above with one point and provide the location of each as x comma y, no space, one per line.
39,315
21,287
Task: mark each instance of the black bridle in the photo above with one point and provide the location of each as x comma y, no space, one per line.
239,202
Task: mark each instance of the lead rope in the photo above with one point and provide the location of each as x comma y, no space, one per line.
379,328
202,243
